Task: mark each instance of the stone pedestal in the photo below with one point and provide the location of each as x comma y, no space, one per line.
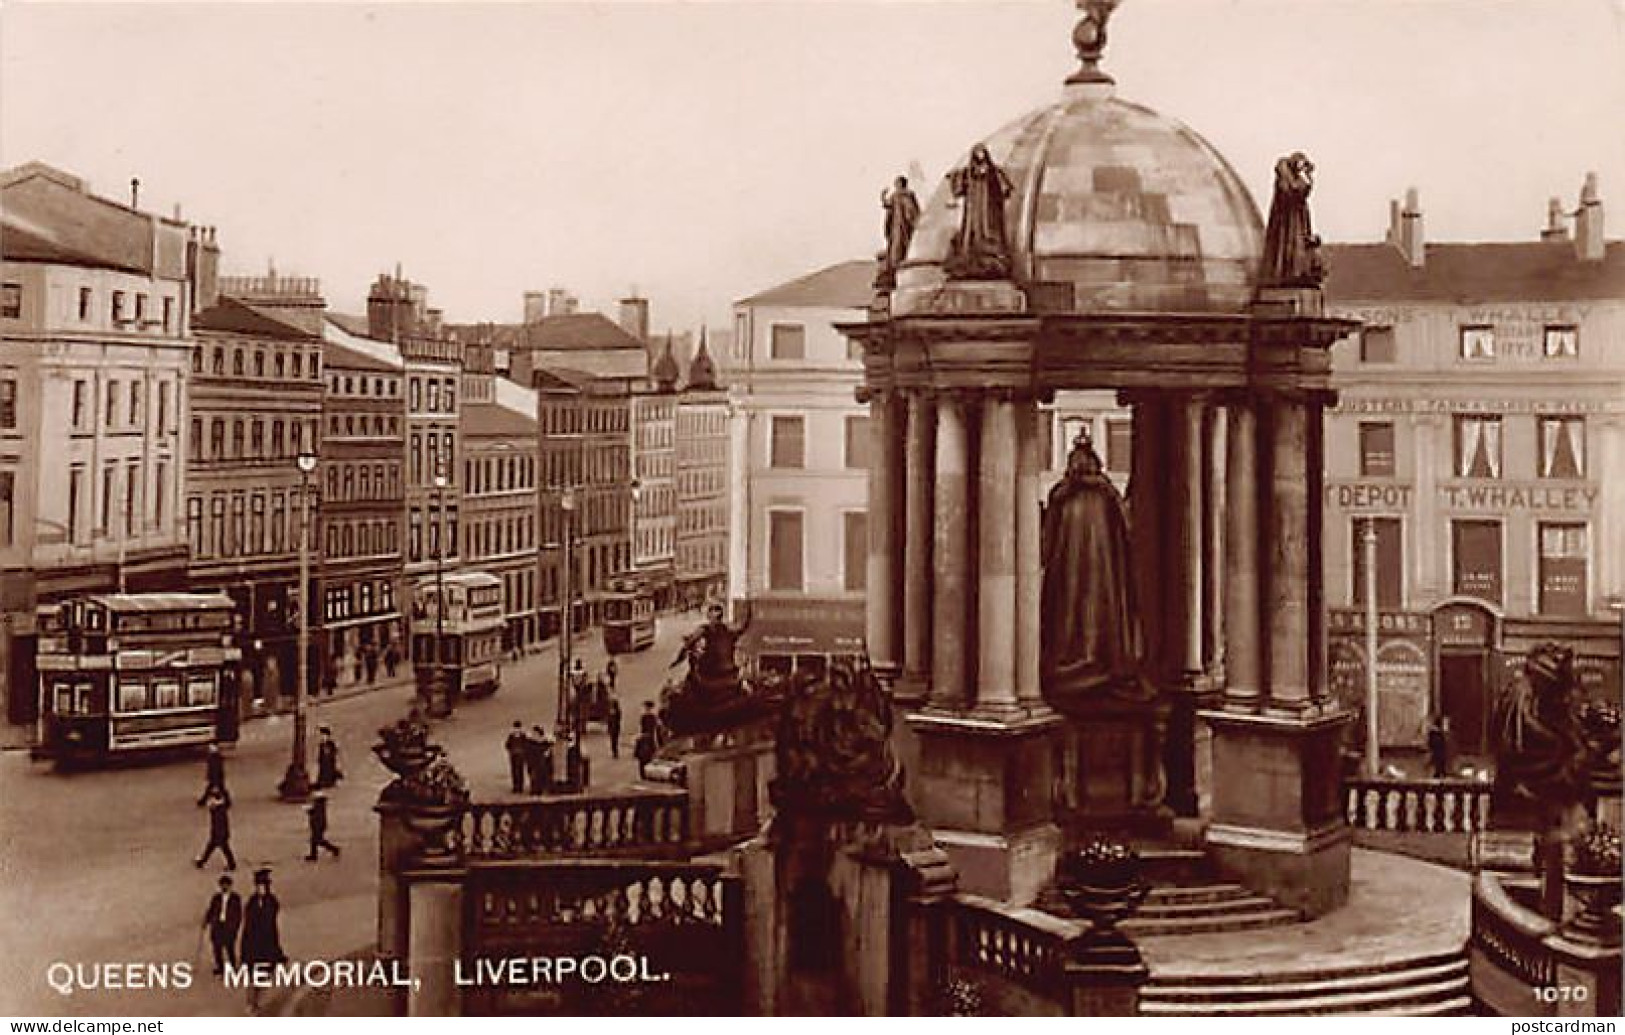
1277,824
1105,976
986,789
1111,774
435,943
395,845
727,791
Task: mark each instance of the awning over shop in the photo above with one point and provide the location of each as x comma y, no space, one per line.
804,627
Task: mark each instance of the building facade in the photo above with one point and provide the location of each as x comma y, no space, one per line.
95,356
700,556
500,515
799,444
360,535
1480,437
584,447
256,404
654,479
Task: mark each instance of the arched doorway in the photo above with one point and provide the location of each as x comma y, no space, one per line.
1467,643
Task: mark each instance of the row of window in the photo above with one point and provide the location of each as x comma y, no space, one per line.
374,386
1560,447
362,480
596,512
710,517
495,536
363,425
440,394
586,465
708,481
246,438
433,454
118,503
596,564
275,362
242,524
655,542
694,424
1475,342
499,474
702,555
1477,564
127,308
123,406
347,538
585,420
425,529
357,599
786,550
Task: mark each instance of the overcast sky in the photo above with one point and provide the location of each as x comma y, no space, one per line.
703,151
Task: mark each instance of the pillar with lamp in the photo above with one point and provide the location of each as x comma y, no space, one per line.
439,691
295,785
567,728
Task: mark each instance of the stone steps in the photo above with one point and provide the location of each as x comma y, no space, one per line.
1244,918
1426,986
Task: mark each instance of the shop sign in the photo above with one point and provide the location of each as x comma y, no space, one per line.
1515,496
1362,495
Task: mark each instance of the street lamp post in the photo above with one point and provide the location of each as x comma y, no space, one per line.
567,507
440,693
295,785
1368,547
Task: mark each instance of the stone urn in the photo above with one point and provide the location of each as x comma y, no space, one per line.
1101,883
1592,879
430,823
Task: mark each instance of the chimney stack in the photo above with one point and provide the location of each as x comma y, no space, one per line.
135,192
1557,227
535,306
1588,224
634,317
1405,229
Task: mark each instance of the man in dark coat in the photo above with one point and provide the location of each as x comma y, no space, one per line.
327,760
316,812
223,918
219,806
262,938
515,746
539,760
611,670
612,721
1438,749
214,773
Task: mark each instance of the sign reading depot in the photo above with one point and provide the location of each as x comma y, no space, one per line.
1494,497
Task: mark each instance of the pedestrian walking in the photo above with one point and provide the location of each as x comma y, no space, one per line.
219,806
539,759
223,919
515,746
262,934
316,814
1438,749
392,657
214,773
612,721
611,670
328,773
649,723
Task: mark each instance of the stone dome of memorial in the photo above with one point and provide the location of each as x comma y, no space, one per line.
1113,207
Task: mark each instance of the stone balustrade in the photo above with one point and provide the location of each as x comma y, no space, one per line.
1444,806
1525,965
643,825
1030,951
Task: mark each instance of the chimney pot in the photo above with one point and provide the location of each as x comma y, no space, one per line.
1589,244
1405,229
135,192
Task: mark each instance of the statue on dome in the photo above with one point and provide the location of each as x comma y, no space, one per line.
1291,249
1089,620
902,215
980,250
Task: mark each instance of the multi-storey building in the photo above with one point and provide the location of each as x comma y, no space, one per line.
654,478
1480,435
800,443
499,488
397,312
361,529
584,448
701,552
95,303
256,403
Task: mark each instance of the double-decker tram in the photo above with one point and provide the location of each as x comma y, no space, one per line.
469,632
629,616
121,673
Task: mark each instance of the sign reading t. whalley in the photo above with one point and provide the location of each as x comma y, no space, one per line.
1497,497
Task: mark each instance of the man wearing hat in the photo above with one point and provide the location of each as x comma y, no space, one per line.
262,940
316,812
219,807
515,746
327,760
223,918
539,759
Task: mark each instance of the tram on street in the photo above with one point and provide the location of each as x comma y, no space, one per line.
628,616
469,631
123,673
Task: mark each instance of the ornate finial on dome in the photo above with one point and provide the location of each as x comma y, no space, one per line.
1090,38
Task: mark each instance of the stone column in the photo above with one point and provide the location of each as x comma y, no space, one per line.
951,550
1242,633
997,475
1185,479
1214,512
1029,555
1146,487
918,511
1314,477
882,603
1287,595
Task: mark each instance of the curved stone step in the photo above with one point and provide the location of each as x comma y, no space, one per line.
1240,902
1194,893
1436,995
1301,986
1339,971
1207,923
